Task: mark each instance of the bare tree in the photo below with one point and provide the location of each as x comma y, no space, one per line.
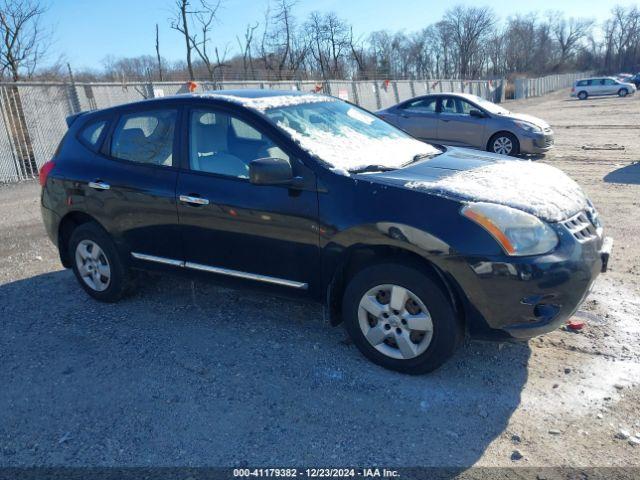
180,22
158,53
568,33
204,18
283,49
245,50
358,54
23,40
470,27
329,40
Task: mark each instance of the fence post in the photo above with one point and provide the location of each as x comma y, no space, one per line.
376,90
72,93
354,89
12,147
395,91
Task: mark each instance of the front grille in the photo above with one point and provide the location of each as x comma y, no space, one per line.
581,227
548,141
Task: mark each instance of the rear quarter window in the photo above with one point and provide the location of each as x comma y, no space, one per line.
91,134
582,83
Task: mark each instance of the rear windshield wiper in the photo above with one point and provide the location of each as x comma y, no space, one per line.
372,168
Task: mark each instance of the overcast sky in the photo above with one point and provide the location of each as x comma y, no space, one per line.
87,31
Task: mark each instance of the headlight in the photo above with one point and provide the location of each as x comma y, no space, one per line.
517,232
528,127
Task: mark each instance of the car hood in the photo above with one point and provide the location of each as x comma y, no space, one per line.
473,176
527,118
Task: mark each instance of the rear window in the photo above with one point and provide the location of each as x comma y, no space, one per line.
91,133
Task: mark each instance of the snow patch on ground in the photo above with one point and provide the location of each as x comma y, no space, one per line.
536,188
265,103
598,382
350,150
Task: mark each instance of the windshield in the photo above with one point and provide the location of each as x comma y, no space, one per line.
347,137
490,106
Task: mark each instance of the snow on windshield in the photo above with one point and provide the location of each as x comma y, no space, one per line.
346,137
540,189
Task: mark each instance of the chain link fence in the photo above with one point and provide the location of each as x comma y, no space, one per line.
33,115
536,87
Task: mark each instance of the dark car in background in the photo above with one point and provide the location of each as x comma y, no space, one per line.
409,245
466,120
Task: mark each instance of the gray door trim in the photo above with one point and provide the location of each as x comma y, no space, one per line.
221,271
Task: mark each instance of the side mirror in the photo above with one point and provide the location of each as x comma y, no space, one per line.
477,113
270,171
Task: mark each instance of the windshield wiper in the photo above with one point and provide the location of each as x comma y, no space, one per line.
422,156
372,168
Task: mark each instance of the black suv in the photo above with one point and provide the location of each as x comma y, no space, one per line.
410,245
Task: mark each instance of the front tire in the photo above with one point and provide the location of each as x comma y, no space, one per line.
399,318
97,264
623,92
504,143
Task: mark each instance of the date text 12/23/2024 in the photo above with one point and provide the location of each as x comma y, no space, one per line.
316,472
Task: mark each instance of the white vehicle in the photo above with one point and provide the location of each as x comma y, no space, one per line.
592,87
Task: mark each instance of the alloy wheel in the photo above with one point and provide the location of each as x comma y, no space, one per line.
93,265
502,145
395,321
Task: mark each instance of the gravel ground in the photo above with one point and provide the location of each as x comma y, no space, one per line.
185,373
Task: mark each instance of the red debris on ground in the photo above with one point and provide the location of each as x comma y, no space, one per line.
575,325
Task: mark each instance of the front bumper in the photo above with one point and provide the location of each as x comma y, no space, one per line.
528,296
537,143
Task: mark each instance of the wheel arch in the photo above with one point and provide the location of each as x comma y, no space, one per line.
497,134
67,225
357,257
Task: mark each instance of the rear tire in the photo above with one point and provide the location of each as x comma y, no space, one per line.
97,264
583,95
623,92
414,332
504,143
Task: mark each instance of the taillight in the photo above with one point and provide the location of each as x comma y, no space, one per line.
44,172
573,89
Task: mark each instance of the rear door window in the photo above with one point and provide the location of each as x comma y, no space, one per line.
456,106
424,105
145,137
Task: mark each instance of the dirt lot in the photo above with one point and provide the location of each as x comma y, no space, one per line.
190,374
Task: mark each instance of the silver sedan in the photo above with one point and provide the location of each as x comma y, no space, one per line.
465,120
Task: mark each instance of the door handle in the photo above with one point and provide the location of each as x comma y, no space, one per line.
193,200
99,185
